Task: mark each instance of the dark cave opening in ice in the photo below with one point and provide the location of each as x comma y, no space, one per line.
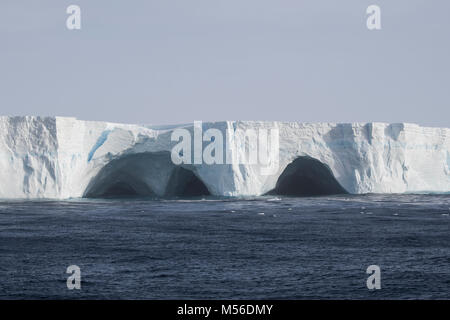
120,189
306,176
126,176
119,185
139,175
184,183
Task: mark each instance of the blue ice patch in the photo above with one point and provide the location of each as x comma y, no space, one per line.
100,141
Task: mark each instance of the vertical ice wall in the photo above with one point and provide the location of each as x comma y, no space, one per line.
64,157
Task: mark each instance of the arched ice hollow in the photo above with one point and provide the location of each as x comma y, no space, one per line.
306,176
145,175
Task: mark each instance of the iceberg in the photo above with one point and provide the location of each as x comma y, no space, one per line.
61,158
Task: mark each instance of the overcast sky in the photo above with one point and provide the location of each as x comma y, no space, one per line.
175,61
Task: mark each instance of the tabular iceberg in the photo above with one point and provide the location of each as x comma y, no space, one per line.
60,158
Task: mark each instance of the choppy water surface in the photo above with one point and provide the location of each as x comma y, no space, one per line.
266,248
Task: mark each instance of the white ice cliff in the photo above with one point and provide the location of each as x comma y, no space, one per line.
60,158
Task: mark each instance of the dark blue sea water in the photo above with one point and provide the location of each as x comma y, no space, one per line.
266,248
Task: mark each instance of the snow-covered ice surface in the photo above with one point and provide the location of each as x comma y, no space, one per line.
58,158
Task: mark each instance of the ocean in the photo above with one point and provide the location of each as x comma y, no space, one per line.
221,248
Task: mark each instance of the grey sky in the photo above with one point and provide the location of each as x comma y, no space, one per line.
175,61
